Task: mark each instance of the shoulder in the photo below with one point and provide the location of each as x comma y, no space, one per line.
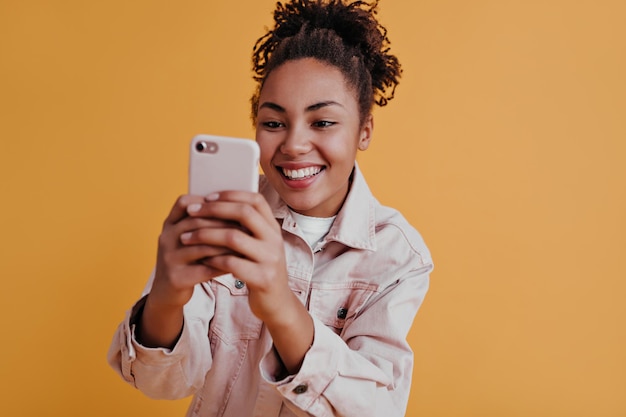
383,230
393,231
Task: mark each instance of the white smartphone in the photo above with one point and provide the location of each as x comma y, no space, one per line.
218,163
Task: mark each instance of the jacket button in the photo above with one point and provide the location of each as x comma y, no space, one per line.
239,284
300,389
342,313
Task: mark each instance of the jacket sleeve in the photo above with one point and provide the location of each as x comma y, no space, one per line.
365,372
163,373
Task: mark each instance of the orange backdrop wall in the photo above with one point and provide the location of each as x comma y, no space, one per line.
505,146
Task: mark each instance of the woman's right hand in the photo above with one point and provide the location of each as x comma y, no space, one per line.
178,269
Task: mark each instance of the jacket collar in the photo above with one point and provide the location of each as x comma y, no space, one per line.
355,223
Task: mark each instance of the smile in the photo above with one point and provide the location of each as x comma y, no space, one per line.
301,174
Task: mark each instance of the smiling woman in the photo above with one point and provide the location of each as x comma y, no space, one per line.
504,144
298,298
309,140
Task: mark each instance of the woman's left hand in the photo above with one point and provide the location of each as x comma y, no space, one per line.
257,254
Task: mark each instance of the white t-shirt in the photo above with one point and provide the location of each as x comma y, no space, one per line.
313,228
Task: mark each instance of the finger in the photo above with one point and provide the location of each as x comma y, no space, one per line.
201,239
207,261
191,254
196,274
245,214
233,241
179,209
235,265
254,199
194,223
227,237
170,237
198,231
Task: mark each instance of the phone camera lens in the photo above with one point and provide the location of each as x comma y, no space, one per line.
201,146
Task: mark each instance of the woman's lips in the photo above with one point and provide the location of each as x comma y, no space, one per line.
300,178
301,173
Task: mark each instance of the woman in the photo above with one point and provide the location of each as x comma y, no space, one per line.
295,301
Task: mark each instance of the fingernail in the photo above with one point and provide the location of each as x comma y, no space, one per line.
185,236
212,197
192,208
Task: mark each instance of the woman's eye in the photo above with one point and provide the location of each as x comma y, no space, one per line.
323,123
272,124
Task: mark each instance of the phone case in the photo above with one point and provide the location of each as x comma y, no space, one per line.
218,163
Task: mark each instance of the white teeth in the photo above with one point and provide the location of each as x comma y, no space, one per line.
296,174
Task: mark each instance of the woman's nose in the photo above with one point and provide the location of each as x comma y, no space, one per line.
296,142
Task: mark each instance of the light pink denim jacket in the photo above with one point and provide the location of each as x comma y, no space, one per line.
363,285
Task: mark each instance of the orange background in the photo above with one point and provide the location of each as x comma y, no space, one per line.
505,147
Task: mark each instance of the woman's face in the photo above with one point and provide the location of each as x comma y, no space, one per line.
308,129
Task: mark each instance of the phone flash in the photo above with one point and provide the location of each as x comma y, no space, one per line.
207,147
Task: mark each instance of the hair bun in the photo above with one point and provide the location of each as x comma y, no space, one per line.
342,33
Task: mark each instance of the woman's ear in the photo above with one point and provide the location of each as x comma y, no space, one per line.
365,136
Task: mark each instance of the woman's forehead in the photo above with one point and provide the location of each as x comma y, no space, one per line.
309,80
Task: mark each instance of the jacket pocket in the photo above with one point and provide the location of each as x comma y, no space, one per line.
337,304
233,320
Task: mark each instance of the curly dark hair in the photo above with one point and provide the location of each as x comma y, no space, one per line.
343,34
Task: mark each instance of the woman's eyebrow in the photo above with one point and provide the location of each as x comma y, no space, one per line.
321,104
312,107
272,106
